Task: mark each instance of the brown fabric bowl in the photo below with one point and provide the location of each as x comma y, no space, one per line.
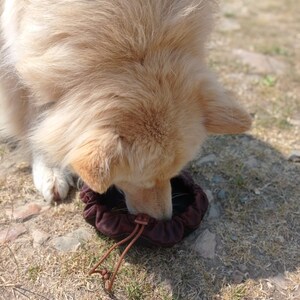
108,213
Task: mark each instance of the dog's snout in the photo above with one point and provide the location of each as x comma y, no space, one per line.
155,202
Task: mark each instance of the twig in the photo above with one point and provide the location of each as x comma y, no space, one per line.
14,258
6,285
24,292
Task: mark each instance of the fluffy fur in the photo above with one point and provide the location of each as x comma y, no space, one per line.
116,91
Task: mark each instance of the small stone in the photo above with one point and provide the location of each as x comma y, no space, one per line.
262,64
294,156
71,241
242,268
82,234
256,191
217,179
209,195
237,277
207,159
222,195
214,211
234,238
65,244
26,212
39,237
10,234
227,25
205,244
244,199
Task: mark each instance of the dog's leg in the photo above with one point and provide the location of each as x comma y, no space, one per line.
53,183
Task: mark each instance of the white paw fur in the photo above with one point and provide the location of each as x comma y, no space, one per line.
53,183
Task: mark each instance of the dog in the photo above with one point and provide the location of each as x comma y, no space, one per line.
115,91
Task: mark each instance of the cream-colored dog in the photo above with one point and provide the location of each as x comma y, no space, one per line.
116,91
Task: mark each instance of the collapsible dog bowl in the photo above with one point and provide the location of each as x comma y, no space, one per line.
108,213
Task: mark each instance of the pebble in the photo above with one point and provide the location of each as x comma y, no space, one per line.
39,237
207,159
65,244
262,64
242,268
71,241
294,156
214,211
222,195
82,234
209,195
26,212
10,234
234,238
237,277
257,192
205,244
244,199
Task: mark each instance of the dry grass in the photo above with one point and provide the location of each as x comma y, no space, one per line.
260,216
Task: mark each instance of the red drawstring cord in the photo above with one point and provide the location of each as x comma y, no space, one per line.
141,221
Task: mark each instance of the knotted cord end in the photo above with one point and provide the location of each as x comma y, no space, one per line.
141,221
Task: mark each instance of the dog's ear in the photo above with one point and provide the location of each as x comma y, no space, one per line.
222,113
96,164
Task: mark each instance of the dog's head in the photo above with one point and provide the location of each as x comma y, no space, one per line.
147,135
139,131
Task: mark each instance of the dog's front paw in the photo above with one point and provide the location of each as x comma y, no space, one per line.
53,183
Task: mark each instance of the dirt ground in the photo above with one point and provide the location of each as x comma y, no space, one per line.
252,229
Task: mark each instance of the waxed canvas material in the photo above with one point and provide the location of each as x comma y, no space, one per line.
108,213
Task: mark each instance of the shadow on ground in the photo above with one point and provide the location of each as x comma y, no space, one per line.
255,219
